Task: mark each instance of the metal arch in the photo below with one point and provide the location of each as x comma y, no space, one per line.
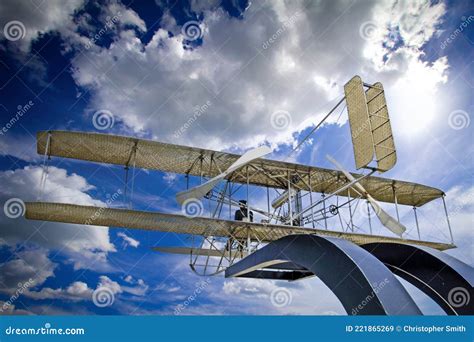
439,275
360,281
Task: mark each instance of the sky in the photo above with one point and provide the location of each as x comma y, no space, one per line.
228,76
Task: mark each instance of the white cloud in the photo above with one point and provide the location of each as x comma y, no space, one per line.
461,197
126,17
410,23
80,291
140,288
169,177
113,286
77,291
161,82
168,288
32,20
38,18
27,269
128,241
87,246
254,296
19,147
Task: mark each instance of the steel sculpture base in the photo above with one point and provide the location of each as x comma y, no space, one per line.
448,281
362,283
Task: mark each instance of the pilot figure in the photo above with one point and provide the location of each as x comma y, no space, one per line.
241,213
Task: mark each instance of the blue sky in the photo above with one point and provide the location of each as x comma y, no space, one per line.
150,65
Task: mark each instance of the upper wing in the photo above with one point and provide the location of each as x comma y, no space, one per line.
147,154
101,216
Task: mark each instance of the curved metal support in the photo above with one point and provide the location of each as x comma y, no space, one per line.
360,281
447,280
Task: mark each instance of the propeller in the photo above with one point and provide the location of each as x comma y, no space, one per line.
203,189
387,220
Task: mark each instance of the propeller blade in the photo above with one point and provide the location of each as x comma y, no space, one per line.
388,221
350,177
248,156
201,190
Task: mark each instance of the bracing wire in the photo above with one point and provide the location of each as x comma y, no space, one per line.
316,127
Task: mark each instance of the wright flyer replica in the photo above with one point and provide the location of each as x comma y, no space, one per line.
342,227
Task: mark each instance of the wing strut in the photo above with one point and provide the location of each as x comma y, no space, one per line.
387,220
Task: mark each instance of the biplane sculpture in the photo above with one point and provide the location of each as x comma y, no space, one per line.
295,237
